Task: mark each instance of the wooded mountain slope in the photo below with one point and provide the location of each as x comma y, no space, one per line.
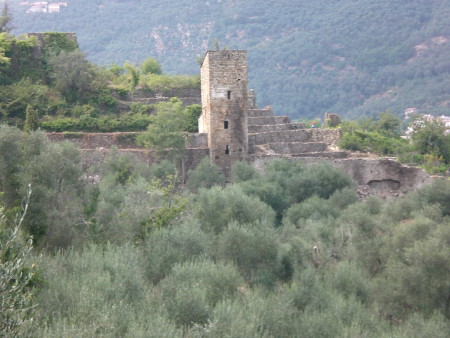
352,57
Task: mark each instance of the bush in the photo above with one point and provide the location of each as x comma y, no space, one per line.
79,286
192,112
350,281
241,171
165,83
313,208
193,288
165,247
343,198
106,123
205,175
417,269
437,193
162,170
17,277
253,250
151,66
318,179
217,207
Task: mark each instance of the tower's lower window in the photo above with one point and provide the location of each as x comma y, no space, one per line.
229,94
227,150
225,124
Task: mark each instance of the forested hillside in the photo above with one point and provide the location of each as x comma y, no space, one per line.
352,57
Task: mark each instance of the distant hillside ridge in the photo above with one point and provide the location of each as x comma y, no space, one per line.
350,57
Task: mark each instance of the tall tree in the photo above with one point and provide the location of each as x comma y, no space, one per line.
71,74
31,119
151,66
166,132
135,76
5,19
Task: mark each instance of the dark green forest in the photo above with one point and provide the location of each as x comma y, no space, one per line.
351,57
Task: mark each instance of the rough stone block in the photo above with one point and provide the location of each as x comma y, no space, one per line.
297,147
259,112
265,120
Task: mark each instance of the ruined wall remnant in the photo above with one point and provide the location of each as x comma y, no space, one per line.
224,104
381,177
332,120
121,140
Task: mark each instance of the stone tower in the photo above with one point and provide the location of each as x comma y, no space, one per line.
224,104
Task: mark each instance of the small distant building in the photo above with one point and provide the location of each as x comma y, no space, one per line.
38,7
409,111
56,7
43,6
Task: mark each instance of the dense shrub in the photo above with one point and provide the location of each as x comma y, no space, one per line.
130,122
254,250
193,288
241,171
318,179
165,247
99,291
17,278
164,83
217,207
205,175
312,208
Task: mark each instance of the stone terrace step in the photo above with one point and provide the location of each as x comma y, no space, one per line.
323,154
296,135
270,127
265,120
259,112
296,147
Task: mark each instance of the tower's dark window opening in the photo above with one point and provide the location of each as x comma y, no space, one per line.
227,150
229,94
225,124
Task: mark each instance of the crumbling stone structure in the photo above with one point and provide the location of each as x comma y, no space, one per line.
236,128
233,128
224,104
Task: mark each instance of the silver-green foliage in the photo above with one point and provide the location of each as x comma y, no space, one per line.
16,275
254,250
100,291
205,175
191,291
217,207
165,247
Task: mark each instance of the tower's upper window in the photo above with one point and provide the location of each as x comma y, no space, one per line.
225,124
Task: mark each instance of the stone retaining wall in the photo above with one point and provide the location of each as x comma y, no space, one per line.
97,140
297,147
264,120
92,158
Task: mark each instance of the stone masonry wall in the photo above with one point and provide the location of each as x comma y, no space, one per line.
224,103
97,140
380,176
119,140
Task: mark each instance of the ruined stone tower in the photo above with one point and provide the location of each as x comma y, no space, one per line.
224,104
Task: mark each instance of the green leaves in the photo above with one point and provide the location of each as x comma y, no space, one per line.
17,275
151,66
166,132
